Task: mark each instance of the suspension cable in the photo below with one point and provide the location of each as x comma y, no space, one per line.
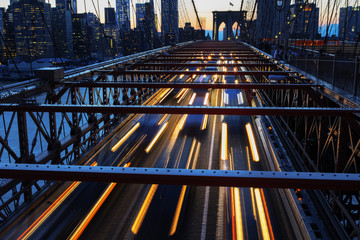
197,16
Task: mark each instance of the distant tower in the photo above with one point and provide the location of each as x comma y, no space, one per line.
74,5
145,22
123,14
140,13
306,23
62,29
67,5
349,23
32,38
110,16
2,31
111,31
170,21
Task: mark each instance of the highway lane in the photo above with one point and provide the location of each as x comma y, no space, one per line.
178,146
171,154
86,192
107,156
246,212
162,201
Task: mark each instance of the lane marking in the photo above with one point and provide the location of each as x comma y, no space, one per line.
207,191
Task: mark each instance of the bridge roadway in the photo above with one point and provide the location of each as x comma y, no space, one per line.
133,211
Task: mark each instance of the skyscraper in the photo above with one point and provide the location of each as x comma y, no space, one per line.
62,30
32,24
349,23
306,23
110,16
123,14
140,14
145,22
95,35
81,43
67,5
111,31
74,6
170,21
2,35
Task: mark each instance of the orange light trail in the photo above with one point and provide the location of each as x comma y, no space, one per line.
152,143
267,214
251,138
141,215
177,211
35,225
125,137
183,95
206,99
80,229
262,216
204,123
238,216
192,99
162,119
180,92
224,151
183,120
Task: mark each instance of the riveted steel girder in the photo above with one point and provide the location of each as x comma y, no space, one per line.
199,177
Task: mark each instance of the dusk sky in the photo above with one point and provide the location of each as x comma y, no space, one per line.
205,8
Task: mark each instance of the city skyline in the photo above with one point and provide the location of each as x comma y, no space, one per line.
204,8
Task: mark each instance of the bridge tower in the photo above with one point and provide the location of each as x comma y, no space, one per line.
229,18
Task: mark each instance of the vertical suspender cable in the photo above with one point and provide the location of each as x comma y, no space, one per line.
197,16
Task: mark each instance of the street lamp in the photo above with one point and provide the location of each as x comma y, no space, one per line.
280,5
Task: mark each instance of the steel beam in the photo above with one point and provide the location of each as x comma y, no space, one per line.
215,49
254,59
185,65
190,85
198,177
179,72
251,55
212,110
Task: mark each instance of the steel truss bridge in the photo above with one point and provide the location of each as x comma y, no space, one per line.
54,126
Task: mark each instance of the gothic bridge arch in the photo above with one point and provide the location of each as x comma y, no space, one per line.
229,18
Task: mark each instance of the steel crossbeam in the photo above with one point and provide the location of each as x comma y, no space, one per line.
189,85
198,177
215,56
202,72
148,64
275,111
253,59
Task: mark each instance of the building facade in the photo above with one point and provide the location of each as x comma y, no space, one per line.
349,24
61,21
170,21
32,26
2,36
123,15
111,32
140,14
306,23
